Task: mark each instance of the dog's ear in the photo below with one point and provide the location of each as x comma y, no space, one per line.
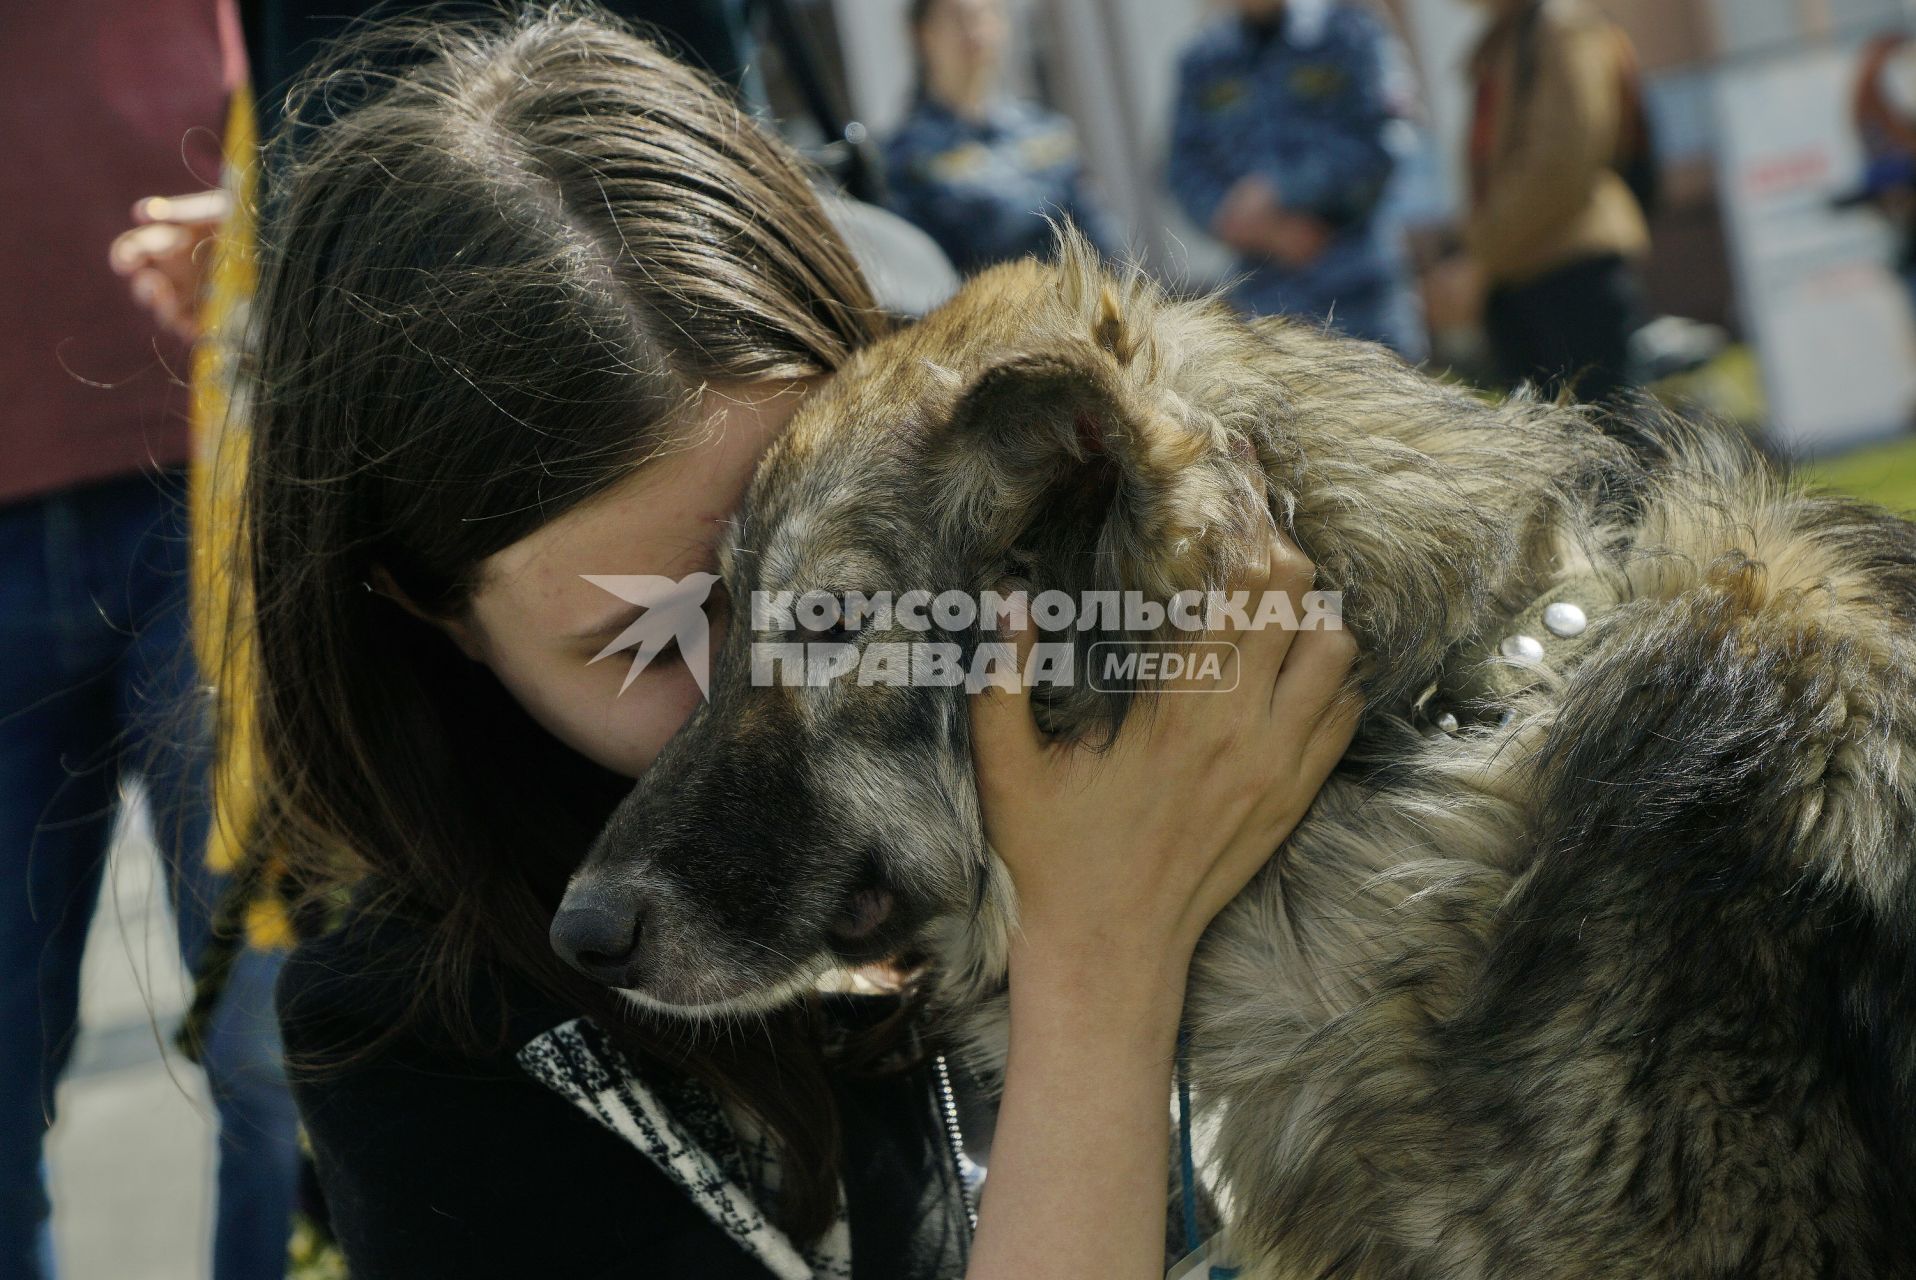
1067,464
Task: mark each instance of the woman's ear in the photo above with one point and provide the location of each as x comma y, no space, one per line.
459,630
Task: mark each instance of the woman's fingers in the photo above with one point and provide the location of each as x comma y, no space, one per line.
1005,737
1258,670
1313,672
1335,729
1294,742
1249,657
1262,649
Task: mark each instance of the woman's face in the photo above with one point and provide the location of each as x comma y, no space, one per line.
538,623
962,41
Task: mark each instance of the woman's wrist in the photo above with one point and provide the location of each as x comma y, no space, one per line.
1077,1182
1099,988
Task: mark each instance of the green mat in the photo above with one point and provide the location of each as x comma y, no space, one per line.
1882,473
1731,387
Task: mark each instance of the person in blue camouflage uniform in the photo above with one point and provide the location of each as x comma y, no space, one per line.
977,170
1289,120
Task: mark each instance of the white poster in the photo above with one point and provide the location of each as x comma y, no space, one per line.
1830,319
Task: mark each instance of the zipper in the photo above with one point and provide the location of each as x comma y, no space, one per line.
955,1140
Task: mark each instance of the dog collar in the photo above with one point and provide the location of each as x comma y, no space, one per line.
1538,645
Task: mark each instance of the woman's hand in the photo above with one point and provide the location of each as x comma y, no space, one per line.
1137,847
1120,860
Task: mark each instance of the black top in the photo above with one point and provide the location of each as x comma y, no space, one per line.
435,1163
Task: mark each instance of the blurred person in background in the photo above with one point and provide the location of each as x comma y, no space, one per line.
1288,126
1554,232
1883,107
973,167
114,101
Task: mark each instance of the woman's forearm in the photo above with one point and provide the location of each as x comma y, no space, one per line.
1115,883
1078,1170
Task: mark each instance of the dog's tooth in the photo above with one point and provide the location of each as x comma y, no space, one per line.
1564,618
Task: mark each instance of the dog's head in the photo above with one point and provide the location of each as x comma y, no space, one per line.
1043,432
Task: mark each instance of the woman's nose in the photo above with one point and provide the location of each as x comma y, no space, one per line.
598,934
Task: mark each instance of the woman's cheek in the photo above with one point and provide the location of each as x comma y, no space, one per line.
642,719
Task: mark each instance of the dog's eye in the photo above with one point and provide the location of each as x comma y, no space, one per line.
840,631
827,617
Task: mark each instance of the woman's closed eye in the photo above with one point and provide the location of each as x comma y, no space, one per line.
631,631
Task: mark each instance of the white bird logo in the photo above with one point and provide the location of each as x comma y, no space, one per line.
674,610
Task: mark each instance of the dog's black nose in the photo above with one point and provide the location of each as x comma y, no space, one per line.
597,935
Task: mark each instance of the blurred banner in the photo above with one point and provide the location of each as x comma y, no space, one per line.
1818,291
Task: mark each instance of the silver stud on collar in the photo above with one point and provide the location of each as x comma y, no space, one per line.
1521,648
1447,722
1564,619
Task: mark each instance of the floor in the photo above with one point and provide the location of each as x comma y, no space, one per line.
131,1157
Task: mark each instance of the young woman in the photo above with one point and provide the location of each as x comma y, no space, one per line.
530,308
979,170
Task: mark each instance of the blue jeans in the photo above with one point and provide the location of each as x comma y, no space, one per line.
97,684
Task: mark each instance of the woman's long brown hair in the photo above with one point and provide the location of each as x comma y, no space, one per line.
499,262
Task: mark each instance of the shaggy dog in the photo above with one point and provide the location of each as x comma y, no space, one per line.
1594,957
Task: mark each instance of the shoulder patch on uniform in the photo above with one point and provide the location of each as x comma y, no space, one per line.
960,162
1048,148
1224,95
1318,80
